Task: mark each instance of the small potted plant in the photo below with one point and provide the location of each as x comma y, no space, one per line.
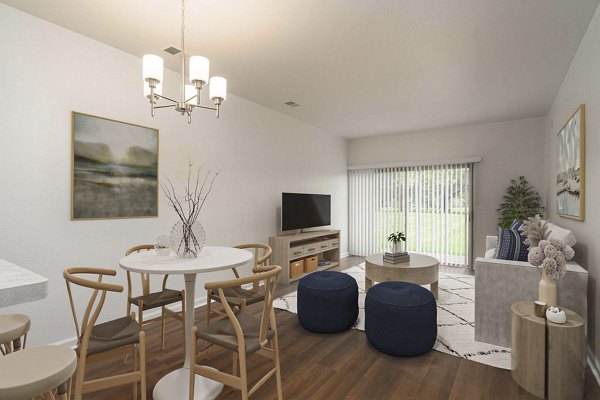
396,238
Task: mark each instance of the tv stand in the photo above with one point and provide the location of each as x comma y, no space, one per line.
289,248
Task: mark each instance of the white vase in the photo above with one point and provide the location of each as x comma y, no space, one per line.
547,290
187,240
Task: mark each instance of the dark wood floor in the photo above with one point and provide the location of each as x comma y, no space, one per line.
334,366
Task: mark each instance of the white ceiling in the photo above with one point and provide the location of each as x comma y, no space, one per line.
357,67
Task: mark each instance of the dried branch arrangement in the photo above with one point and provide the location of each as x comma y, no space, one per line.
188,208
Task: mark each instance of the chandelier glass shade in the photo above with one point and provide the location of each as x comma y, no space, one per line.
190,90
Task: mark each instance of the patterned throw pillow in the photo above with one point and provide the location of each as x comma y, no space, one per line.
511,246
516,224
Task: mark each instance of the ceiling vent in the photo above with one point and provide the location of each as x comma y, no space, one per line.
291,104
172,50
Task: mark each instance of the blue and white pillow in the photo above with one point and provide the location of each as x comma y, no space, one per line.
516,225
510,245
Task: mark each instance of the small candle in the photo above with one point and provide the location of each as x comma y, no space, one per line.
539,309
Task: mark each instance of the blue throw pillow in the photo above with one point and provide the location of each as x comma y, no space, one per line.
516,224
511,246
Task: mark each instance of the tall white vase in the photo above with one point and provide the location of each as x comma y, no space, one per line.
547,291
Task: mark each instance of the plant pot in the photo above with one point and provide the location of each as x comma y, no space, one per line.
187,240
398,247
547,290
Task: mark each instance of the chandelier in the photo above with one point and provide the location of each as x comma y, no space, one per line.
189,96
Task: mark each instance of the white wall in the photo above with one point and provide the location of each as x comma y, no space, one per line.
508,149
45,73
581,85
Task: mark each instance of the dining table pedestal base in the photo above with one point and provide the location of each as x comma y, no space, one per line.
176,385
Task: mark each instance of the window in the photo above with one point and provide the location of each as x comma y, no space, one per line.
431,204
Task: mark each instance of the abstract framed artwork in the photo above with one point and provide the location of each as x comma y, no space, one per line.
114,171
570,177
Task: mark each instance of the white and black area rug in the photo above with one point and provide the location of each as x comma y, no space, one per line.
456,318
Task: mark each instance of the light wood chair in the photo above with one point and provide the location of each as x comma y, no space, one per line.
239,297
106,340
243,334
13,332
151,300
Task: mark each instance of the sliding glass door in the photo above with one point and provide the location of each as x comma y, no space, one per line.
431,204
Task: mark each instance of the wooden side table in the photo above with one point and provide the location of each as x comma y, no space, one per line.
547,359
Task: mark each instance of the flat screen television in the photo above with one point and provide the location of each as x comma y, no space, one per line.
303,210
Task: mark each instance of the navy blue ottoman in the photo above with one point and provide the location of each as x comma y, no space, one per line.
327,301
400,318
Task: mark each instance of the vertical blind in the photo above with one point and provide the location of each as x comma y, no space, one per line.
430,204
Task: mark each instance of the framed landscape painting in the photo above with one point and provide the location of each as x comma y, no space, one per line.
570,178
114,169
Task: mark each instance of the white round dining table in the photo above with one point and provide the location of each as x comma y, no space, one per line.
175,385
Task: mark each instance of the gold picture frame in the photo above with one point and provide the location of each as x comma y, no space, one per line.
570,172
114,169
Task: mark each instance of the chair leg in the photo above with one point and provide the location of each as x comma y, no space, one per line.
79,379
208,311
142,352
162,330
193,362
277,366
141,311
243,376
134,359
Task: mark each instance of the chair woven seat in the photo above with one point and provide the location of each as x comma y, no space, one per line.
113,334
235,295
221,332
158,299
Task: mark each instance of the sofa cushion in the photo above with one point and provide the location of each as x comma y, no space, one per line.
511,246
490,253
556,232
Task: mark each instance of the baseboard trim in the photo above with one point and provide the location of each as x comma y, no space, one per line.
148,315
594,364
344,255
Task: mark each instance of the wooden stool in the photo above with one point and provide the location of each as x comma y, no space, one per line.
36,371
13,327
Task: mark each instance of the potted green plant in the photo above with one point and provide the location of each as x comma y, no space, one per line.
520,202
397,238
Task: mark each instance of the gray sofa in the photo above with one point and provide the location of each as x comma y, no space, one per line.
500,283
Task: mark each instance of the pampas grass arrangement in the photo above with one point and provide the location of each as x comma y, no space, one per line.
534,229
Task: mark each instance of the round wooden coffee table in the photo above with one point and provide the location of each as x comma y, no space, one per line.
421,270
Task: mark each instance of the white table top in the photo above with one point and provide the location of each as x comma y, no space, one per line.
19,285
211,258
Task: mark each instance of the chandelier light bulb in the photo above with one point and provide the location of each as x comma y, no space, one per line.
152,67
218,88
199,67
